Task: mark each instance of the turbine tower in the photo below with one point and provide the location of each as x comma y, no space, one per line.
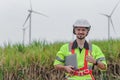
110,19
24,29
29,17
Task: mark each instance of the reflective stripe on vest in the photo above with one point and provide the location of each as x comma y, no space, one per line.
84,70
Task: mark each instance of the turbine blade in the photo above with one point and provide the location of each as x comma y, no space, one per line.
112,25
104,14
26,20
114,8
30,4
39,13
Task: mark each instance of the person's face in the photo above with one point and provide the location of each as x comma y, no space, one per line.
81,32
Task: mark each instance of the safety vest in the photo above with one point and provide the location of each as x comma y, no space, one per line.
84,70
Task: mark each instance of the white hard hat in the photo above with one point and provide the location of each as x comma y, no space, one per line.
81,23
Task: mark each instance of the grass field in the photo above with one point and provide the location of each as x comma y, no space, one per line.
35,61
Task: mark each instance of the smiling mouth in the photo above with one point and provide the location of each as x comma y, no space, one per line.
80,34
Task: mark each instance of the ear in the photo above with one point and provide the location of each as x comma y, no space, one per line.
87,32
74,31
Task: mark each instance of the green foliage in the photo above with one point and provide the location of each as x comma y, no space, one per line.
18,57
110,49
14,56
41,51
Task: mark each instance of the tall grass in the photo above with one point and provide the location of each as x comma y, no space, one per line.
111,49
35,61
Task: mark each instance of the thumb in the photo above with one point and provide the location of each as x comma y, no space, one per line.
90,53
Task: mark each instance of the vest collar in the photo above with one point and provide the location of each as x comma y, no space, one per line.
75,45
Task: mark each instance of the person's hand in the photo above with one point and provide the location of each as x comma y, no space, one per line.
69,69
90,59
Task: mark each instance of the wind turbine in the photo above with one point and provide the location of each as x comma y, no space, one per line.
24,29
110,19
29,17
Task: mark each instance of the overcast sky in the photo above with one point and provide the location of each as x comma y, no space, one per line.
58,26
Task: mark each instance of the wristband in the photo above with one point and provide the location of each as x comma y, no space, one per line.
96,63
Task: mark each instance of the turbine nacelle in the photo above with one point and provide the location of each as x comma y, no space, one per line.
29,18
30,11
110,20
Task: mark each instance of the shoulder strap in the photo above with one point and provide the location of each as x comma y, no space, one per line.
90,47
85,62
90,50
70,48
